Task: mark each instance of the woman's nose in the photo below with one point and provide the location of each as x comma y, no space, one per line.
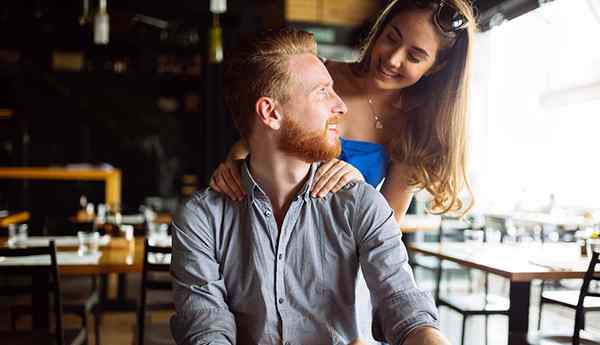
396,59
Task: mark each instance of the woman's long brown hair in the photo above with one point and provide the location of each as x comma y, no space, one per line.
432,125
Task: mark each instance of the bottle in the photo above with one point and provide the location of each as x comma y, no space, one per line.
215,35
112,225
101,24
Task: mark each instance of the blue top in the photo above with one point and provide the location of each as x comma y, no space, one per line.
370,158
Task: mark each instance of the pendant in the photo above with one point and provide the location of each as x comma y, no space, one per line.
378,123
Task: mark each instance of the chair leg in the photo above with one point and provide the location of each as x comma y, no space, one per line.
539,323
470,274
486,329
462,335
13,321
97,322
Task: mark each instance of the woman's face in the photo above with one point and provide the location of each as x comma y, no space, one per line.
405,50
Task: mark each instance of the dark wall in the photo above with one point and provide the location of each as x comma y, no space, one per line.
154,123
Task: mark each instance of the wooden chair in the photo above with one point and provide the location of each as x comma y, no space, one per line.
44,277
156,260
580,336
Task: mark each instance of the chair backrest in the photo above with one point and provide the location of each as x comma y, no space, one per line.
584,292
156,259
499,224
48,274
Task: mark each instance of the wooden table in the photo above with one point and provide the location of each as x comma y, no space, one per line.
14,218
520,264
111,177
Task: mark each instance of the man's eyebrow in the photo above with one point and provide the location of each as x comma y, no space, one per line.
320,84
418,49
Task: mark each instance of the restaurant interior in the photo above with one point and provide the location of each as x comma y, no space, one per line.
112,116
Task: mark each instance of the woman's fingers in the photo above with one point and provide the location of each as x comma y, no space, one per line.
232,179
323,168
221,182
226,179
322,175
339,174
336,175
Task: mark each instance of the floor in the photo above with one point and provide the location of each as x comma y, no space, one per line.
118,327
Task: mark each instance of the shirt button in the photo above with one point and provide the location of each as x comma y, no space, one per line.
280,256
267,214
281,301
288,343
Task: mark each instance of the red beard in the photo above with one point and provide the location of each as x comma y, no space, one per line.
308,146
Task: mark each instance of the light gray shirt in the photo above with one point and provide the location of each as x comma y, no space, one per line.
241,280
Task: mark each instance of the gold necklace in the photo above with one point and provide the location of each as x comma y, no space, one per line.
378,117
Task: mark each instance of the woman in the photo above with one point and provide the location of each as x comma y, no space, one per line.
407,108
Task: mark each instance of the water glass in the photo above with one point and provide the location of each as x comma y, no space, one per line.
17,235
128,231
158,233
88,242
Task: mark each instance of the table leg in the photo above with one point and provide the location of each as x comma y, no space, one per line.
518,313
40,301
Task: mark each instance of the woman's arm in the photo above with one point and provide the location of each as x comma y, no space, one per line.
238,151
396,190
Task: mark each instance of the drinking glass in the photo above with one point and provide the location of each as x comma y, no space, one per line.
88,242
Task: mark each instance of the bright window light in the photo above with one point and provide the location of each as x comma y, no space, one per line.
535,113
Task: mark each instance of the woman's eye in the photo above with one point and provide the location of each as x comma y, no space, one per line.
393,39
413,58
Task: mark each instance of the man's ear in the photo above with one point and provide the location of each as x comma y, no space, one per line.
438,66
267,112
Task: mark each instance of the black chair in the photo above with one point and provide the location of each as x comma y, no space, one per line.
580,336
432,264
45,278
565,298
474,303
80,299
156,262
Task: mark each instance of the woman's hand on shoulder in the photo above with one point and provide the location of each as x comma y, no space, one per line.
333,175
226,179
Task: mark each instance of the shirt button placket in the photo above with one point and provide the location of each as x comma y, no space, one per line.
280,292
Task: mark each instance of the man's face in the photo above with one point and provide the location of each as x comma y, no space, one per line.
309,127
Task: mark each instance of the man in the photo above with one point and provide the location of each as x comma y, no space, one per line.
280,266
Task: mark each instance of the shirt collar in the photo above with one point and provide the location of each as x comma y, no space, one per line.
252,187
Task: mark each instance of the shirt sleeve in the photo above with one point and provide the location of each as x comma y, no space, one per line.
201,312
399,306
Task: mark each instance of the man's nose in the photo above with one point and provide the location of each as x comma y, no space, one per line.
340,107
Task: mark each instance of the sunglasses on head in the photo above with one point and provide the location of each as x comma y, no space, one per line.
447,17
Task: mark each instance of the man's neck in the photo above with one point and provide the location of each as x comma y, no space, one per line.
280,176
